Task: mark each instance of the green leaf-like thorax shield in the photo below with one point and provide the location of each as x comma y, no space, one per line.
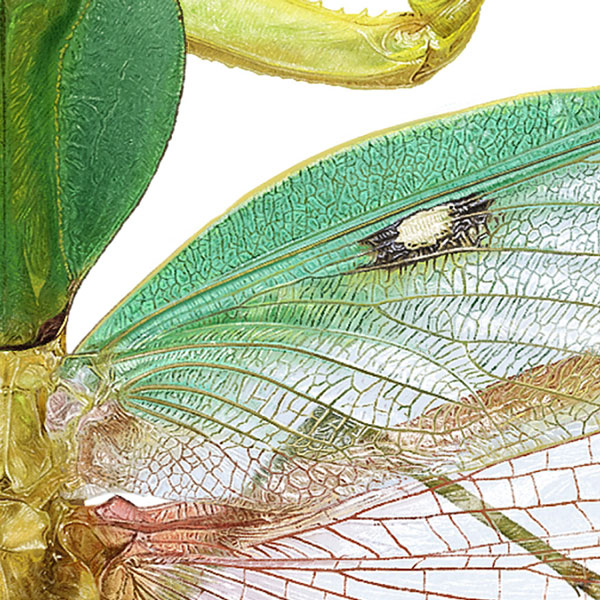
89,90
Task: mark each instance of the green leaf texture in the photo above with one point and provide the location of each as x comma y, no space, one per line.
89,93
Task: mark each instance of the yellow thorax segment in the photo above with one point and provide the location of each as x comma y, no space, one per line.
33,562
26,380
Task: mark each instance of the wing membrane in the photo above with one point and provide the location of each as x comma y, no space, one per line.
446,358
380,324
397,545
313,215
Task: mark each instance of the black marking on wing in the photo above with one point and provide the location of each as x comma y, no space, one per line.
466,228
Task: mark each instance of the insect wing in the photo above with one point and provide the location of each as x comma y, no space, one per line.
384,320
395,546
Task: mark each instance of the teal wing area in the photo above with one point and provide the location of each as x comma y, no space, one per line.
423,302
284,229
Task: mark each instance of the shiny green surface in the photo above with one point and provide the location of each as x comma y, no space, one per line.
89,91
351,193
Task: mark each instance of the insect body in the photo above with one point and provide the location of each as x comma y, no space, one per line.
30,479
356,384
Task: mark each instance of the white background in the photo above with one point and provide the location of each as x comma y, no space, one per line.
236,130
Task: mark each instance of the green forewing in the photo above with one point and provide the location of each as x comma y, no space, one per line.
275,236
425,299
89,92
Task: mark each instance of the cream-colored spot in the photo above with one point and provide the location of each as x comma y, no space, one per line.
425,228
